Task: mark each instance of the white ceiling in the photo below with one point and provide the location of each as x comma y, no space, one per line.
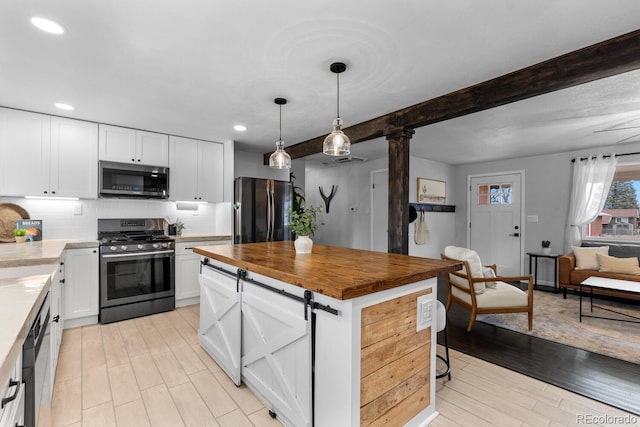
195,68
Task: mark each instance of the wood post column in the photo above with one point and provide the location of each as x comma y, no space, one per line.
398,218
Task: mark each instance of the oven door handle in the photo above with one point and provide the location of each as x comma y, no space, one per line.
137,254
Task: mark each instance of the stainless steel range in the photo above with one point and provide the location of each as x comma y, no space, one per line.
137,268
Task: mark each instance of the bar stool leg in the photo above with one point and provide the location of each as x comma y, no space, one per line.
442,327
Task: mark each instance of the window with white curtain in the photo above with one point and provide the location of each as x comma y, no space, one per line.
620,218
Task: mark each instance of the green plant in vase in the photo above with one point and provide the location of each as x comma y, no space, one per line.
20,235
304,222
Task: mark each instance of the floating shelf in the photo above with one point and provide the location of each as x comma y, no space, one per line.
432,207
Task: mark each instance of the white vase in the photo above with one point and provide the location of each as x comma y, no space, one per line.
303,244
546,251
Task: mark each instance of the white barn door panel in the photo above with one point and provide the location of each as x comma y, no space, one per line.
276,352
220,326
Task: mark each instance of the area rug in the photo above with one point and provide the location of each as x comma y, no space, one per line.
557,319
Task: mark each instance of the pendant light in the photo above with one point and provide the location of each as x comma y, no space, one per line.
337,143
280,159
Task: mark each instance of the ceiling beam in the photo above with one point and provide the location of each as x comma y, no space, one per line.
608,58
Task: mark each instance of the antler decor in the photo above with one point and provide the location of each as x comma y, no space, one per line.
327,199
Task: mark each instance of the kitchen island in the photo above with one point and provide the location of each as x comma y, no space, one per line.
336,337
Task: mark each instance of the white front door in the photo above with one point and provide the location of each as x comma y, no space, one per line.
379,211
495,229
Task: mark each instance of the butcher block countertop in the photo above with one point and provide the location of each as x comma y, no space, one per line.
340,273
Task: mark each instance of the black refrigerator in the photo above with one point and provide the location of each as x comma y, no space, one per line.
261,210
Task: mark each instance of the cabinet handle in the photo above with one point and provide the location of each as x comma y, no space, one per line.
53,192
12,383
95,251
45,191
133,160
56,318
138,160
188,249
61,280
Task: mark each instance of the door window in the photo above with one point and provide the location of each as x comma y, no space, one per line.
495,194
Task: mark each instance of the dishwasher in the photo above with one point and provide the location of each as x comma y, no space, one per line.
36,372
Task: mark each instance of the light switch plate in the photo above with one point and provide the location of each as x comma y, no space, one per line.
424,312
532,218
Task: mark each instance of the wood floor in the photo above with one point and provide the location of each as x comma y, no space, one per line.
606,379
152,371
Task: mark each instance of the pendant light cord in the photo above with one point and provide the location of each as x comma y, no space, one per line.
280,122
338,97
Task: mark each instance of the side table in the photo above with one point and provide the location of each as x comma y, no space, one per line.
533,256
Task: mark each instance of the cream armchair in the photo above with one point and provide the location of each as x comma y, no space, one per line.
477,288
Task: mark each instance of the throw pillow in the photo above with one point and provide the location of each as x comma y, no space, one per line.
586,258
475,266
488,272
610,264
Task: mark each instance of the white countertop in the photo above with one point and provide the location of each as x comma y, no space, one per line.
36,253
20,301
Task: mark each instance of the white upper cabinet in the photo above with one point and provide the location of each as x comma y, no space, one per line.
74,158
196,170
42,155
126,145
25,140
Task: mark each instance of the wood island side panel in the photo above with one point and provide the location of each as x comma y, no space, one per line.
395,362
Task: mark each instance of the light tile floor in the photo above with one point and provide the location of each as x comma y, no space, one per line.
151,371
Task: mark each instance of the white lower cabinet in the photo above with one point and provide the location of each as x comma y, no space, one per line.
187,270
57,318
81,293
260,337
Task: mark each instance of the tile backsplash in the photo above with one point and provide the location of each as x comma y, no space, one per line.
77,219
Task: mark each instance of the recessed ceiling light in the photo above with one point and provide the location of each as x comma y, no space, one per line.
240,128
62,106
47,25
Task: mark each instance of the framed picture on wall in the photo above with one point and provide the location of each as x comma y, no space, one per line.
432,191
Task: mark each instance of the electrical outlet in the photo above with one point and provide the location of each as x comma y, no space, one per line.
77,209
424,312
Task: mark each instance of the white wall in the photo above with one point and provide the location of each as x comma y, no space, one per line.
353,181
353,189
251,165
441,225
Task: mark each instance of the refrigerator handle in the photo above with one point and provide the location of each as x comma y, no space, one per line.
273,209
268,210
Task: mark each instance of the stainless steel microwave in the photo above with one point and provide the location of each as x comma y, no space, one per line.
130,180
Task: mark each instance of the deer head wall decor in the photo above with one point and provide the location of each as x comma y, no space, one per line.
327,199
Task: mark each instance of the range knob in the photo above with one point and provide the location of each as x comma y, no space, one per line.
123,247
156,246
164,245
140,246
113,248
